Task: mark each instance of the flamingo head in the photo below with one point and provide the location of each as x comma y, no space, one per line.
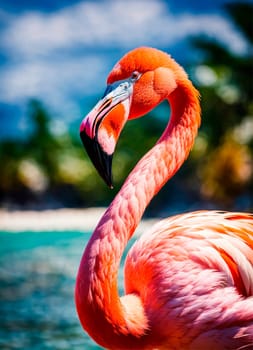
137,83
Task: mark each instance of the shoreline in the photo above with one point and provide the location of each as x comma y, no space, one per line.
56,220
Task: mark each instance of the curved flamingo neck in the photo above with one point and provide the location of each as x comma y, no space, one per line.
105,316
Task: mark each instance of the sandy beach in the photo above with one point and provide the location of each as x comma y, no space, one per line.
56,220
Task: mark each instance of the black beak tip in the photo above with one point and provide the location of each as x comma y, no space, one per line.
100,159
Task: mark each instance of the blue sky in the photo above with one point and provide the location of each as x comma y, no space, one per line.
61,51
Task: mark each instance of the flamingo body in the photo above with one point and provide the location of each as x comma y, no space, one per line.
189,279
198,279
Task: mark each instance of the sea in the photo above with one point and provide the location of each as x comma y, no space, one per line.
37,279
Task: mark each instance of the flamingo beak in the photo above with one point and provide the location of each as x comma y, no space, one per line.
100,129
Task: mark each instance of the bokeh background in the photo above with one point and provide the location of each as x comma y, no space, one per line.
54,60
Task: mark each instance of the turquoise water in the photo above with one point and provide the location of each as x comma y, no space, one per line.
37,278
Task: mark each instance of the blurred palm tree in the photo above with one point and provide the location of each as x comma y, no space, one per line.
225,81
35,171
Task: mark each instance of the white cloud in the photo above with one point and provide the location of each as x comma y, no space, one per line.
39,77
58,83
49,55
111,23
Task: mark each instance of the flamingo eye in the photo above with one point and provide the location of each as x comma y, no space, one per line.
135,76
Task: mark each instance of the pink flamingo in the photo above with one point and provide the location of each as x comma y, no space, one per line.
189,279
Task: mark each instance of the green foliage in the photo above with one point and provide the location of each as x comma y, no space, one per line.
225,82
242,15
53,169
